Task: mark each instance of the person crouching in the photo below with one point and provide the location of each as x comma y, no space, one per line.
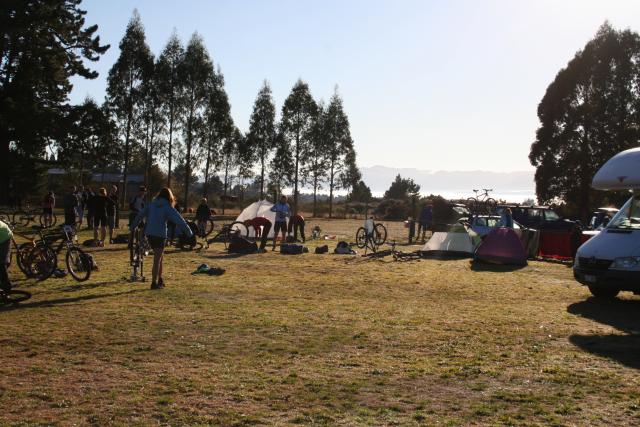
157,213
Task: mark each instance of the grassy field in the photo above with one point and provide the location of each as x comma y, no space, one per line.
319,339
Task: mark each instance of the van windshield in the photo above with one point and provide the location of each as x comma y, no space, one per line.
628,217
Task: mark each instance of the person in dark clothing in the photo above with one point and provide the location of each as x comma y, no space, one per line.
261,226
48,204
71,204
296,224
90,200
101,205
425,220
203,213
136,205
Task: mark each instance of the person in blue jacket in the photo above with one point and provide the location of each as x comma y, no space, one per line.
283,212
157,213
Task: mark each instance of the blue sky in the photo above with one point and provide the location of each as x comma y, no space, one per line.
436,85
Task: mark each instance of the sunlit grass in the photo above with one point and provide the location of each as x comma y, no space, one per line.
317,339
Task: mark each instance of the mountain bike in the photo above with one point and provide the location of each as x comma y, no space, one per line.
379,235
21,250
43,258
482,203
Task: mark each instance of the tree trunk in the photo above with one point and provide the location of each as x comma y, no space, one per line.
126,159
187,166
331,179
262,175
226,181
205,187
315,191
170,143
295,185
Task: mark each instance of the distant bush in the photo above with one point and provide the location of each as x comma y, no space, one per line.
393,209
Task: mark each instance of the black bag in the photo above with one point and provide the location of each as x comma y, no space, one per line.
121,238
322,249
240,245
292,249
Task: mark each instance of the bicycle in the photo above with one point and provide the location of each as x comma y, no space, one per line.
379,235
43,259
483,203
228,231
28,215
138,249
22,250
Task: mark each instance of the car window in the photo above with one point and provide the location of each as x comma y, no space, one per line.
534,214
493,222
551,216
481,222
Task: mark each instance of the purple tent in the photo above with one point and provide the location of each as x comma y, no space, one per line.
502,246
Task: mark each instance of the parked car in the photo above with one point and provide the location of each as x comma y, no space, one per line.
538,218
483,224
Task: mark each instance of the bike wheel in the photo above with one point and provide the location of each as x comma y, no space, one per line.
78,264
208,227
21,218
42,262
380,234
491,205
22,255
472,205
361,238
13,296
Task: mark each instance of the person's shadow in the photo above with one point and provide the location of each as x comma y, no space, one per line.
621,314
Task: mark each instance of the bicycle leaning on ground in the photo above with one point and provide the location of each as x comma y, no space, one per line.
43,258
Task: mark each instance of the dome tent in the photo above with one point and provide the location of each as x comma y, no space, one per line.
260,208
457,241
502,246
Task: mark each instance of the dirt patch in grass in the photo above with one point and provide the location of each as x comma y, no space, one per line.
319,339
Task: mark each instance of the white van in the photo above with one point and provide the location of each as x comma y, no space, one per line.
610,261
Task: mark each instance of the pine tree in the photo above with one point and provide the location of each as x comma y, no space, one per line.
171,92
316,154
42,45
262,130
281,165
339,144
229,160
298,112
124,87
196,73
218,125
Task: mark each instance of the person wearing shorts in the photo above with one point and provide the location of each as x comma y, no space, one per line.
283,211
100,217
5,255
112,210
70,207
157,213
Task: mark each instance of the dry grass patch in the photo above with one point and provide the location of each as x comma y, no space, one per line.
320,339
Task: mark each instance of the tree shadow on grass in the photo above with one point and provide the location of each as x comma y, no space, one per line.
620,314
226,256
63,301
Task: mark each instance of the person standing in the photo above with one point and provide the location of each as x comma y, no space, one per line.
48,204
203,213
101,205
157,214
283,211
424,220
71,207
296,225
90,200
115,196
80,194
507,219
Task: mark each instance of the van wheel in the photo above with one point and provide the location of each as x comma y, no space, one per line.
603,293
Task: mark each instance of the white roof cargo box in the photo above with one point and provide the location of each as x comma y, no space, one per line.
621,172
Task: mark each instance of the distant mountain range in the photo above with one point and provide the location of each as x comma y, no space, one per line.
511,186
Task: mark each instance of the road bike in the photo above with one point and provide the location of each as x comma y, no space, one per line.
228,231
482,203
